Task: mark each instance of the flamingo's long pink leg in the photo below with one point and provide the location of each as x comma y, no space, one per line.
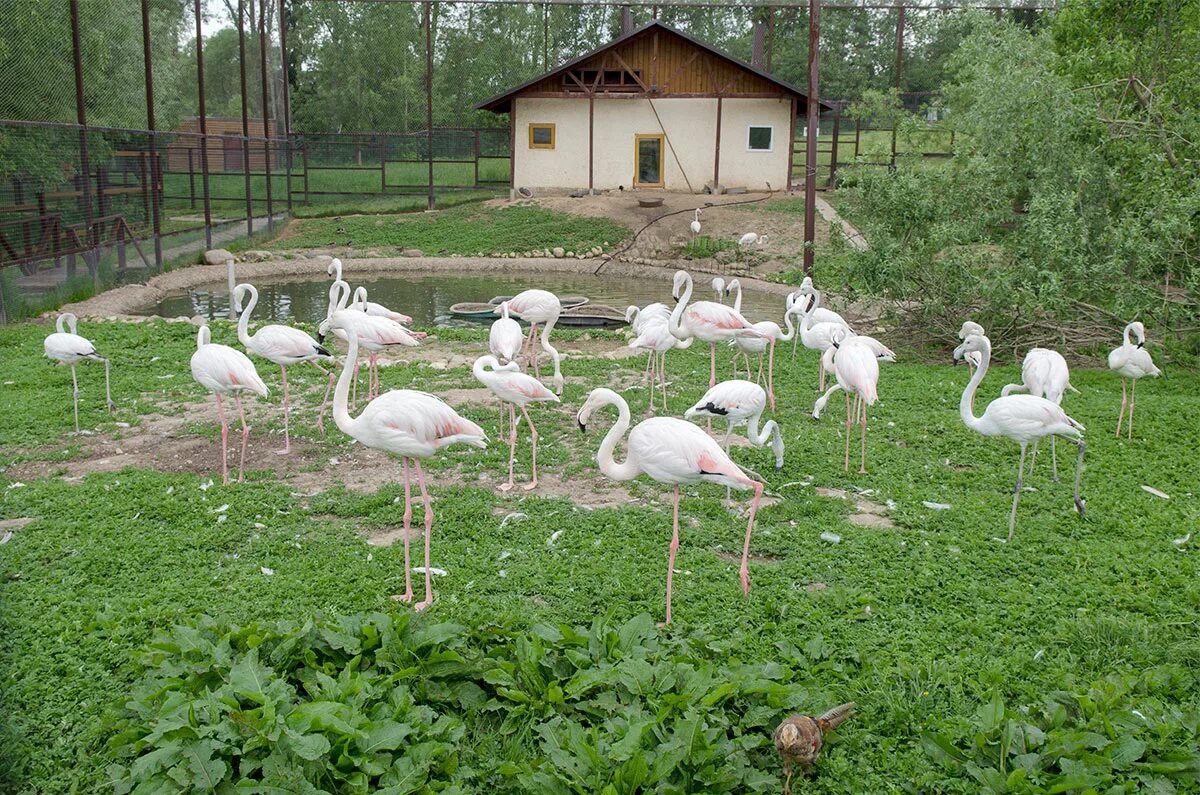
712,370
671,556
75,396
849,425
820,376
1132,400
112,407
237,399
770,373
407,596
533,435
224,440
744,572
862,465
419,606
512,446
1121,416
373,377
651,376
324,400
287,442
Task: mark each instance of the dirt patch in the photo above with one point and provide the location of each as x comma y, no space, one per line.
871,520
15,524
813,587
869,513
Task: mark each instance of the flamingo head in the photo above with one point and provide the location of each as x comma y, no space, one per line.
1138,330
839,335
973,343
681,278
595,399
970,327
335,268
631,312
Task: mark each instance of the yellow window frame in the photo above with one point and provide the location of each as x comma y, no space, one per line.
637,140
533,145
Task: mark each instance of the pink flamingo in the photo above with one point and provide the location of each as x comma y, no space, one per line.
819,313
639,319
360,302
538,306
413,425
375,334
857,372
516,389
881,351
225,371
707,321
656,337
816,336
739,402
284,346
674,452
67,347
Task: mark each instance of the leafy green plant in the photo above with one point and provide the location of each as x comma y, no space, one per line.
704,246
1118,735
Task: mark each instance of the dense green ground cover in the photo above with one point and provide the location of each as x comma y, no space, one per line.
1066,659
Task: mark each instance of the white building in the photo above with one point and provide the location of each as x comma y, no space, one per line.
653,109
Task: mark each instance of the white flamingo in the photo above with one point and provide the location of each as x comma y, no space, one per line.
707,321
1044,373
734,288
695,224
1022,418
516,389
539,306
413,425
673,452
764,346
753,239
739,402
505,336
284,346
223,370
375,334
970,327
816,336
881,351
656,338
857,371
361,303
819,313
66,347
718,285
1133,362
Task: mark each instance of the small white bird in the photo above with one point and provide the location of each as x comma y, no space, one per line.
1044,373
284,346
226,371
718,285
1133,362
1022,418
695,224
741,402
67,347
516,389
753,239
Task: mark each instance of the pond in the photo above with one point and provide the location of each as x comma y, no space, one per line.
428,299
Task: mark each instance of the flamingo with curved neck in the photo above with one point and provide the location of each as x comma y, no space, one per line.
707,321
65,346
1131,362
413,425
673,452
1022,418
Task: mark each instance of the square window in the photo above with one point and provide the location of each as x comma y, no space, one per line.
758,138
541,136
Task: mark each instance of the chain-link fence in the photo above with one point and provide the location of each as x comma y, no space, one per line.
134,132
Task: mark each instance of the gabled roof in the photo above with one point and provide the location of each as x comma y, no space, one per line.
501,102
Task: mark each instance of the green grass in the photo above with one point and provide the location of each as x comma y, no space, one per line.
459,230
923,625
705,246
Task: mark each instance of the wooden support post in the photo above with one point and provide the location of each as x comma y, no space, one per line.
591,140
287,110
813,130
266,103
899,66
717,151
429,97
241,30
85,178
833,154
477,158
149,168
203,127
191,179
304,154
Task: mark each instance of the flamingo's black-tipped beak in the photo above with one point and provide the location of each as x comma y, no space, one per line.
582,427
1142,344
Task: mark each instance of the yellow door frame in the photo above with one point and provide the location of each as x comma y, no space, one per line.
637,146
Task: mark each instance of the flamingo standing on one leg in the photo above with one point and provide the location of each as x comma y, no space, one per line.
707,321
1132,362
284,346
673,452
517,389
1022,418
413,425
739,402
857,371
1044,373
67,347
539,306
504,342
226,371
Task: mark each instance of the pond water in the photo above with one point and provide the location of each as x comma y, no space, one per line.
428,299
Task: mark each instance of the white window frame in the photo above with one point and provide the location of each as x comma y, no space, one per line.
770,148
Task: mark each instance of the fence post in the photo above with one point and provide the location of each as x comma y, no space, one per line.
429,96
262,57
477,158
149,170
287,110
241,29
191,179
203,130
810,152
899,66
833,154
304,153
85,165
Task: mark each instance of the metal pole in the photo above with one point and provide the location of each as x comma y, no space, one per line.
833,154
429,96
203,131
84,161
899,64
287,110
262,57
241,28
813,130
152,125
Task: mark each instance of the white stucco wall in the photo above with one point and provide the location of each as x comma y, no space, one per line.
689,124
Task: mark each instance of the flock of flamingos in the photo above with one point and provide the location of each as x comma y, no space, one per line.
415,425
